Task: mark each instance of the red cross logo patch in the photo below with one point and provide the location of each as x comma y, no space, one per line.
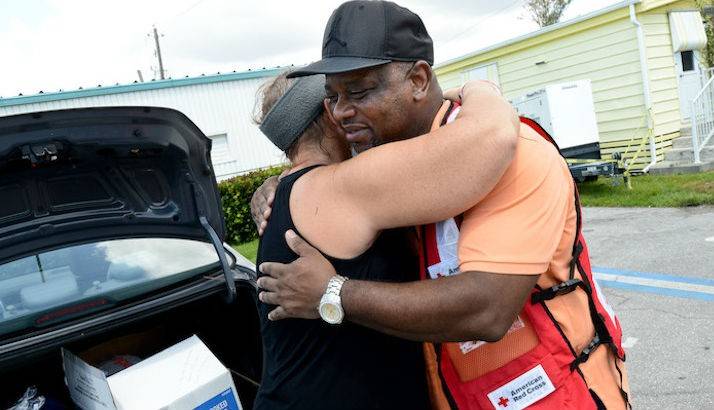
503,402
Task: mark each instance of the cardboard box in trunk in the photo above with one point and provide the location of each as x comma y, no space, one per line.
187,375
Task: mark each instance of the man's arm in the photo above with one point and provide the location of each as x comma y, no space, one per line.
468,306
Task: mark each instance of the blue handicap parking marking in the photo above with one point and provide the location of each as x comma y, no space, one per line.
667,285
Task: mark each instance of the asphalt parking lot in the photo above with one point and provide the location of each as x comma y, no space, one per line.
657,268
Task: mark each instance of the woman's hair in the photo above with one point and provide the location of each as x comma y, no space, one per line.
269,94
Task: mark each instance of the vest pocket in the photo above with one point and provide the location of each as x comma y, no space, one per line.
474,359
521,382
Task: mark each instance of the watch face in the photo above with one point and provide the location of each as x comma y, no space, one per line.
331,313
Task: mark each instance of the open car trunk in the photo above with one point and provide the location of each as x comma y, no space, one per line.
231,332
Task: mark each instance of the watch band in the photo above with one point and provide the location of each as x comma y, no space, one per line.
330,307
334,286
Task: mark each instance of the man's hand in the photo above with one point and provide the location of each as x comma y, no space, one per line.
296,288
262,202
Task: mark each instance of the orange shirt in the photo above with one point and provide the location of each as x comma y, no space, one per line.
527,225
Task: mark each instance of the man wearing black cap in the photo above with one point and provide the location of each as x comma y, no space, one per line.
373,65
512,270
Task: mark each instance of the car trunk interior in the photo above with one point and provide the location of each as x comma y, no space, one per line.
231,332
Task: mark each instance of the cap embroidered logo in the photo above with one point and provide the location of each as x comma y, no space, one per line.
333,36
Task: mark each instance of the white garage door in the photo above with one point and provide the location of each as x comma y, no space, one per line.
224,164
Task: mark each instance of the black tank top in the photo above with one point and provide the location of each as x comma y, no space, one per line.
309,364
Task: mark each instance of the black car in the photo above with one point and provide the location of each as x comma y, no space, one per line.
111,226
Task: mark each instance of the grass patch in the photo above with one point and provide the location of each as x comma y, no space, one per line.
656,191
248,249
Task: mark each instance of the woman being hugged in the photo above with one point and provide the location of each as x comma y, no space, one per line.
348,208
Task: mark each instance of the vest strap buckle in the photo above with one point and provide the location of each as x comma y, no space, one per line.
585,354
557,290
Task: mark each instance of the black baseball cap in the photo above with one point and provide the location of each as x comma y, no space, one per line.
362,34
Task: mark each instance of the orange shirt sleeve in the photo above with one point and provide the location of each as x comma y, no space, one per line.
517,228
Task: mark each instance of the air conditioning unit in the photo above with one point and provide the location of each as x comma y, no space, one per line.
567,112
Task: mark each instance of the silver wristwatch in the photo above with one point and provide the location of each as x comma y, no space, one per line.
331,303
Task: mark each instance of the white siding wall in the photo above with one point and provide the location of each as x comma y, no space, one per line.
217,108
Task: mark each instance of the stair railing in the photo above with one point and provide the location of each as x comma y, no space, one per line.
703,118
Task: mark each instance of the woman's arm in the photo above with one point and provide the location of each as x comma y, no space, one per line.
434,176
340,208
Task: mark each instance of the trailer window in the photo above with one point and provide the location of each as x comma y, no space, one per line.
687,61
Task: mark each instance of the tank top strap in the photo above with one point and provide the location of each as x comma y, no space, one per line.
289,180
281,204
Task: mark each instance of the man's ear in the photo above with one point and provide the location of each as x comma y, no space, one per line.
421,78
328,110
335,125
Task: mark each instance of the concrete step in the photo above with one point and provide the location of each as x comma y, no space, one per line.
682,142
669,167
686,131
686,155
686,142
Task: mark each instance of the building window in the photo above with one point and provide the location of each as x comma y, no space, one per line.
220,152
478,73
485,72
687,60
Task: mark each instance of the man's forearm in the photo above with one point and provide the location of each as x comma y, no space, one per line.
434,310
469,306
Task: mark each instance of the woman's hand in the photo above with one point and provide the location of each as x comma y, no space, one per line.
469,94
456,94
261,204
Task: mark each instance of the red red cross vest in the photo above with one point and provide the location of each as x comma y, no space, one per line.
541,369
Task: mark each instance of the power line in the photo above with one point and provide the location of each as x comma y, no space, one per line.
481,20
169,20
189,9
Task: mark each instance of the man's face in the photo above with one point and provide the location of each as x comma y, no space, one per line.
371,105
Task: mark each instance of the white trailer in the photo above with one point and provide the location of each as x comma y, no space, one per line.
567,112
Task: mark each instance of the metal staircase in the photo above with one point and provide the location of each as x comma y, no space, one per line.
693,150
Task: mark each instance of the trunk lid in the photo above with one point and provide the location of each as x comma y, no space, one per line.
98,173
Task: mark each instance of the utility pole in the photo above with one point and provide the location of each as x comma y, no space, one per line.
158,54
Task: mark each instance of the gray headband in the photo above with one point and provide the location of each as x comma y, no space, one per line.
294,111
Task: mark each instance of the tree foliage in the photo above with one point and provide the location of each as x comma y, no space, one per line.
546,12
235,197
708,51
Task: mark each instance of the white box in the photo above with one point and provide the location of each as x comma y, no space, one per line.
185,376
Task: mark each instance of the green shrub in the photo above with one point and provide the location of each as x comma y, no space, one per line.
235,195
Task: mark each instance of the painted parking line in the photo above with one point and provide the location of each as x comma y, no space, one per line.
629,342
668,285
